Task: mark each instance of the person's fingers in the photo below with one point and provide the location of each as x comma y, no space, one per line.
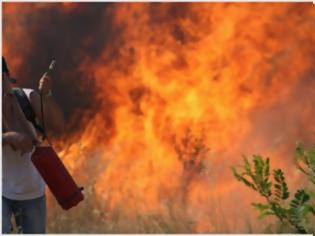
47,78
45,83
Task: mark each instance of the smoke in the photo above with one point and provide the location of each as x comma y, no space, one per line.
71,34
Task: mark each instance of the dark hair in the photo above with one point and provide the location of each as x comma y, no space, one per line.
5,68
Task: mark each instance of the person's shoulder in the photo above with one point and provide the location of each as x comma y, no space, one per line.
28,92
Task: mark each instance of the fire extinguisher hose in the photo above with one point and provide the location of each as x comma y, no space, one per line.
44,135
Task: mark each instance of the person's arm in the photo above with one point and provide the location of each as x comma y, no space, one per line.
53,116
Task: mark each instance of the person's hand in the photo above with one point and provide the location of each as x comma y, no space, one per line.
45,84
20,142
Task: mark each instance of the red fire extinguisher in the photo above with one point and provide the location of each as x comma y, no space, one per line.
56,176
54,173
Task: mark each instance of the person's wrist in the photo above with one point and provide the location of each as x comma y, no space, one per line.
47,94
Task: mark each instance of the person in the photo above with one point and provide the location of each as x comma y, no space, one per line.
23,189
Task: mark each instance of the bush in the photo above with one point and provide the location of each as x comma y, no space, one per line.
296,211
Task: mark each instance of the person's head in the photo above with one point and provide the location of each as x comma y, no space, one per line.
6,79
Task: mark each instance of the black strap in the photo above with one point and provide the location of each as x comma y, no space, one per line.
27,109
42,115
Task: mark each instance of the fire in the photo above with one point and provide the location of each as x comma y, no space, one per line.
180,92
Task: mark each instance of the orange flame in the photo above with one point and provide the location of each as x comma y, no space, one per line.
228,79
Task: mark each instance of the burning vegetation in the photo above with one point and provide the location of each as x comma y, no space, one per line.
162,98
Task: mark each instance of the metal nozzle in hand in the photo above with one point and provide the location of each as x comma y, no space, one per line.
44,84
45,81
51,68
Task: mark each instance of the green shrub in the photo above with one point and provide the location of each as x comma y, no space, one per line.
296,211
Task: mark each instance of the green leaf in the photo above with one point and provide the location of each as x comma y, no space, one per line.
260,206
281,187
309,208
247,166
308,159
264,214
311,194
259,166
264,209
300,198
242,179
299,150
267,170
278,210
